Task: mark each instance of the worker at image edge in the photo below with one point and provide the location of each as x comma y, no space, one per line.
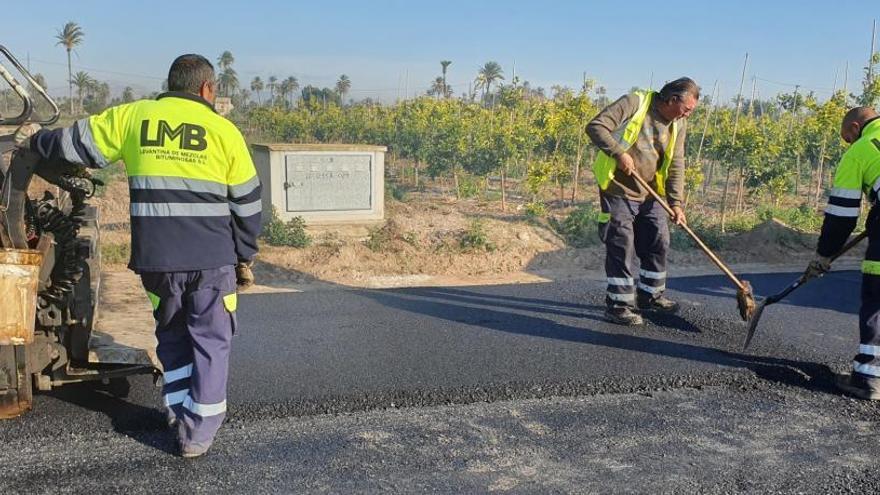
857,174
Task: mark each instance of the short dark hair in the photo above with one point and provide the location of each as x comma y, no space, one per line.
679,88
188,72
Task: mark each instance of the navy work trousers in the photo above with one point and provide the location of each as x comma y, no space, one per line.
195,321
633,229
867,361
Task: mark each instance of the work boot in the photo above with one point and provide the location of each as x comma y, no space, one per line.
659,303
859,385
623,315
193,450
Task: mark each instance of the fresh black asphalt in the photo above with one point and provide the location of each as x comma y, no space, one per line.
380,354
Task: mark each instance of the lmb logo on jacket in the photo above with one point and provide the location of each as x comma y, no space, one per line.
189,136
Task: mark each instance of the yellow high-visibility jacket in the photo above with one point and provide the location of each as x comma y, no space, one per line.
195,194
857,173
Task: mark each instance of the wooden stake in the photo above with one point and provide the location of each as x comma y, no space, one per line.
733,142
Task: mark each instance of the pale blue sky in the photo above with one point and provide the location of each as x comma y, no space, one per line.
388,46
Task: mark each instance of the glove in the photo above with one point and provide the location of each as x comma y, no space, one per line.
24,134
244,277
817,267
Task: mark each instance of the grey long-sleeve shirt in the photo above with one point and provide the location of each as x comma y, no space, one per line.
647,152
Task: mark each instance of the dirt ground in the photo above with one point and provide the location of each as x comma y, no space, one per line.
419,244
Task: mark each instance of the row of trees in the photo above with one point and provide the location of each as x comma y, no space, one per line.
758,150
765,149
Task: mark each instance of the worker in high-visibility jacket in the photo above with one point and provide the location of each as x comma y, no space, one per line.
857,173
641,133
195,218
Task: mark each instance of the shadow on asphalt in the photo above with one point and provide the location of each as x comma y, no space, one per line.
838,291
449,304
143,424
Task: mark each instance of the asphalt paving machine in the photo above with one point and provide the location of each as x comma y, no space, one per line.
50,259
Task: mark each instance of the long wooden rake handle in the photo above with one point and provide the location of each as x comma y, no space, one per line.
712,256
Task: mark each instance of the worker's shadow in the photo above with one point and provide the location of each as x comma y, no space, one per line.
481,309
146,425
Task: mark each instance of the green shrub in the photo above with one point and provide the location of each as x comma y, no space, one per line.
388,236
378,239
742,223
292,234
536,209
580,228
803,218
395,191
708,233
117,253
475,238
411,238
468,186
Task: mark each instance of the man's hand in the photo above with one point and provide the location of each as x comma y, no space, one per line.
625,163
818,267
678,215
244,277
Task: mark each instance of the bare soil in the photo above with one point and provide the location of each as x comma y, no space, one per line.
420,244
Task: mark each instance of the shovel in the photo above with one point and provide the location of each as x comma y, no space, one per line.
775,298
745,300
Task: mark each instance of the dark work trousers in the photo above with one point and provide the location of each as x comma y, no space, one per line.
195,320
867,361
633,229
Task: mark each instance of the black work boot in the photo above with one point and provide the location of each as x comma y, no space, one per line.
623,315
859,385
659,303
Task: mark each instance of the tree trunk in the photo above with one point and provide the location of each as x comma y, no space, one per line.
797,176
69,83
709,176
455,182
724,200
741,190
561,193
503,189
577,168
416,173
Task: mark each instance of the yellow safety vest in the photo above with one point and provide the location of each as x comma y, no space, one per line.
626,135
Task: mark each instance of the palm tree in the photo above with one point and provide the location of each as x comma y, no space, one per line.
228,81
488,74
69,36
444,64
273,86
438,88
342,86
256,87
84,83
292,86
225,60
